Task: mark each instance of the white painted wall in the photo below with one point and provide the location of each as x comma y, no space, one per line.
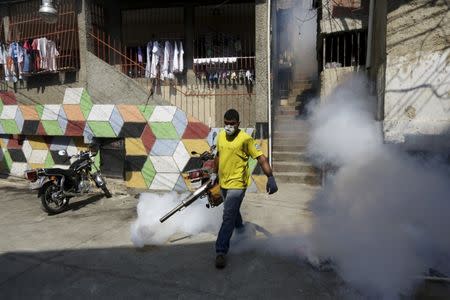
417,100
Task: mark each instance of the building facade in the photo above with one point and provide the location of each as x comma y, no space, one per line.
148,81
403,48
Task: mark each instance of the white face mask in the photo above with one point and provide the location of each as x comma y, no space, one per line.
229,129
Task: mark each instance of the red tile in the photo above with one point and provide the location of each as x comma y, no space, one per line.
75,128
8,98
13,143
196,130
40,130
148,138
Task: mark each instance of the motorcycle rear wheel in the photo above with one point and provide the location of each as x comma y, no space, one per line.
50,205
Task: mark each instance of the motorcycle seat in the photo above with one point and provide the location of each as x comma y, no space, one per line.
58,171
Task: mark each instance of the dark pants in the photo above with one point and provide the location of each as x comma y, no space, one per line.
231,218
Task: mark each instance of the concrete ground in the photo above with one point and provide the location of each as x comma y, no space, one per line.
86,252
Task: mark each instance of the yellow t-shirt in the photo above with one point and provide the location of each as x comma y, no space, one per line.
233,159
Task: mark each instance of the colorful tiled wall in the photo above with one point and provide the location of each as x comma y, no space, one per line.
158,139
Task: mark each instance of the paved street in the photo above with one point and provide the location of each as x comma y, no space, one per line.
86,252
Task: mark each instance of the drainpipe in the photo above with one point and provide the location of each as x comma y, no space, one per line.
269,85
369,35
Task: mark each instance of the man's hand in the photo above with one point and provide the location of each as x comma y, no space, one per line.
271,186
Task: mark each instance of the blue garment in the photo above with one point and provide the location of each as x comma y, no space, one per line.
231,218
26,61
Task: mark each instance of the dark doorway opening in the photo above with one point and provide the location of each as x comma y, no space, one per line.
112,157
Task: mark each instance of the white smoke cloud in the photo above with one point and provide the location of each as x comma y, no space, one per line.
383,218
196,218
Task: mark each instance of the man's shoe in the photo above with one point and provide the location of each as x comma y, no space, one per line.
220,261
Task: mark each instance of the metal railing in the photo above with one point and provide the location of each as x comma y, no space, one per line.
25,24
205,102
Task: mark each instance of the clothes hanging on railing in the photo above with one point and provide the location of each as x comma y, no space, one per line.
156,54
28,57
176,63
181,59
149,59
139,55
165,68
164,59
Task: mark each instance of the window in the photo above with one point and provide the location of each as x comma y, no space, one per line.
344,49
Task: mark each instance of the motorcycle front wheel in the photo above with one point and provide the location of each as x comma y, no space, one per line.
106,191
50,203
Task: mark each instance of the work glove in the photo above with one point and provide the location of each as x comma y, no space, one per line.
271,186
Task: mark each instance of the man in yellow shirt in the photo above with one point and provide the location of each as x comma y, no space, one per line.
234,148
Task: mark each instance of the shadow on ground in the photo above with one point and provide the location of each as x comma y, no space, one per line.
173,271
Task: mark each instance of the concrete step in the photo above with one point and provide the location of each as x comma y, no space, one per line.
282,117
299,141
293,166
285,108
290,126
288,156
284,112
289,148
298,132
296,177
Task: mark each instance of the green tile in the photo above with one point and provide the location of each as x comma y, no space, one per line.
148,172
49,162
146,110
52,127
97,160
86,104
164,130
252,164
101,129
7,159
10,126
40,110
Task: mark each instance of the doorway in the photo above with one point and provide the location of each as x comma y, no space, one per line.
112,157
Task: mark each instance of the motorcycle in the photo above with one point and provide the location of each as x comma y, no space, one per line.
56,186
202,184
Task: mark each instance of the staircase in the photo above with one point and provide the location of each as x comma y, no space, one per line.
290,138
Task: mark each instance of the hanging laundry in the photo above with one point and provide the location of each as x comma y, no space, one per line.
27,57
139,55
149,59
36,54
14,61
176,65
180,59
165,67
52,53
156,53
42,47
171,51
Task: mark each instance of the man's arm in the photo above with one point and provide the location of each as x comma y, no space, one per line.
265,166
216,163
271,186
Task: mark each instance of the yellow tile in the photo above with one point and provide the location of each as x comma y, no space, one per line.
79,143
260,181
264,144
37,143
135,180
36,166
198,145
134,146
